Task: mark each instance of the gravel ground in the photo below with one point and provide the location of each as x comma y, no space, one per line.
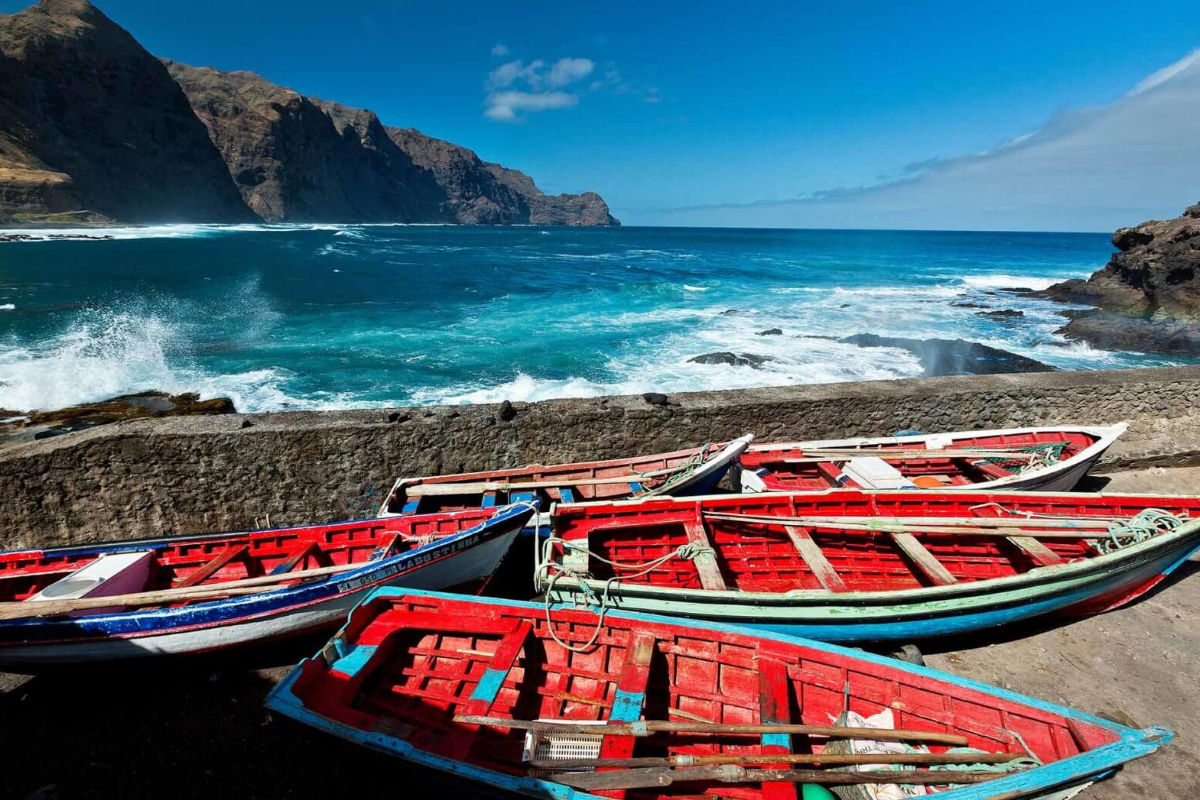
202,732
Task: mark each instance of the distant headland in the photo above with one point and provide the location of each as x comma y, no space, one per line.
96,130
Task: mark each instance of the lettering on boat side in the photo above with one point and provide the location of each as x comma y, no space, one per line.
416,560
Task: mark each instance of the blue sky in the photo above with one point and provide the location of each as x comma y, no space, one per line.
749,113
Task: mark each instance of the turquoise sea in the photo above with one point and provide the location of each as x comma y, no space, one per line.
339,316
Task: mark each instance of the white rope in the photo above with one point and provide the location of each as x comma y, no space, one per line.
687,552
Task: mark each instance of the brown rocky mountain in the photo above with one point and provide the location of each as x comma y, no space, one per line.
1147,297
89,121
93,125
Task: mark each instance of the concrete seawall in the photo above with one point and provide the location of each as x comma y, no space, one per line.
178,475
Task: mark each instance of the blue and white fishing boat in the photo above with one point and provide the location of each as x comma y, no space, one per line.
559,702
199,594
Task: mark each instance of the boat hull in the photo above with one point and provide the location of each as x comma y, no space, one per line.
1058,780
465,561
1071,588
1062,476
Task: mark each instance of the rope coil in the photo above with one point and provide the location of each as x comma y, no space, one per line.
686,552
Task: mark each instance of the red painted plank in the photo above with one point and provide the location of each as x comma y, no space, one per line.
774,698
631,683
810,551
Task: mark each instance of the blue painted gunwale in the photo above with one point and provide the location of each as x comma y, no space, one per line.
1091,765
248,607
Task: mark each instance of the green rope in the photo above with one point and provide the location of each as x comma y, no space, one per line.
1145,525
1045,455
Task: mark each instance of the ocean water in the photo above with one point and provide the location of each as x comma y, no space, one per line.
350,316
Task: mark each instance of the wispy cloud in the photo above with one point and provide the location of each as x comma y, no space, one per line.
499,50
517,88
508,106
1093,168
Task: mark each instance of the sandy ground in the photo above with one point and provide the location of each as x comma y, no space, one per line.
202,732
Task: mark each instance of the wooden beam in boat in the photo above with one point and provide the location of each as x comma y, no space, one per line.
706,561
775,706
811,553
214,565
925,560
629,698
293,560
1043,556
502,662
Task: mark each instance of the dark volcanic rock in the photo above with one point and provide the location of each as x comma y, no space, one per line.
1148,293
1110,330
655,398
954,356
93,128
771,332
731,359
41,424
1154,271
1003,314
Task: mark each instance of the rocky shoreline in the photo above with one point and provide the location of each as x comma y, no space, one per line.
1147,298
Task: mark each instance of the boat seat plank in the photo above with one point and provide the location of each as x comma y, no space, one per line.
501,664
923,559
774,702
706,562
213,566
385,549
293,560
1043,556
629,699
810,551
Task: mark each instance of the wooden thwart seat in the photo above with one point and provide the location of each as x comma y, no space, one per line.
706,561
1042,555
629,699
810,551
774,702
923,559
214,566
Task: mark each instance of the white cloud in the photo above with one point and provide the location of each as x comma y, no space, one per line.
512,72
516,87
499,50
507,106
1099,168
568,70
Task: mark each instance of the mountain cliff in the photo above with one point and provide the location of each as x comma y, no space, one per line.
94,127
91,123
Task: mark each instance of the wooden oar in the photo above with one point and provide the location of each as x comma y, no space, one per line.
650,727
941,522
917,454
829,760
665,776
869,524
210,591
447,488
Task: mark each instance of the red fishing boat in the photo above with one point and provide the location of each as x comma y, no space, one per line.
843,565
696,470
1030,459
560,703
194,594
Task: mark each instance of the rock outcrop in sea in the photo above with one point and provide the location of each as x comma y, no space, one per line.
940,357
93,128
1147,297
